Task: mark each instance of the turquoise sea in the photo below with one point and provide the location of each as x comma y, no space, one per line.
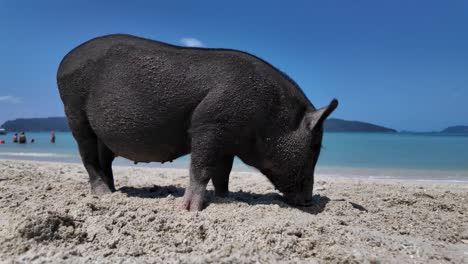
432,157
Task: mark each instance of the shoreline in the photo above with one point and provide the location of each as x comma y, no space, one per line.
352,220
334,172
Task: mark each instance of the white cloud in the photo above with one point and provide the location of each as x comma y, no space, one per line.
191,42
9,99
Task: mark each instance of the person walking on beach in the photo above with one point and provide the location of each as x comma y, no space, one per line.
15,138
52,137
22,138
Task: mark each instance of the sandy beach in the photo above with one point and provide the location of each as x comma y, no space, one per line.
47,214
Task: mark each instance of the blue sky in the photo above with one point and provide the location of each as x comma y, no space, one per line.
402,64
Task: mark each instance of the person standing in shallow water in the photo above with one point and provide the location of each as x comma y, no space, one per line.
22,138
52,137
15,138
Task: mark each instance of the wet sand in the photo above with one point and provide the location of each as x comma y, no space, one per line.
47,214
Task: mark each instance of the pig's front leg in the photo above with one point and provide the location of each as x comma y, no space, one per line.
207,162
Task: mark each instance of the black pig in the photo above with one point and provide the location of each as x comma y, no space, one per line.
148,101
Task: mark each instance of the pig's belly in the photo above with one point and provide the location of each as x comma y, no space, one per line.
147,150
144,140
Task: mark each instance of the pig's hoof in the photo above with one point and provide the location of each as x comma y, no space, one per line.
192,201
100,189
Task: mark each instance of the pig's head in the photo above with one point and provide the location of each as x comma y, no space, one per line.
290,160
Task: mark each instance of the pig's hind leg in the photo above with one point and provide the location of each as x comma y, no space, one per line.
88,145
106,157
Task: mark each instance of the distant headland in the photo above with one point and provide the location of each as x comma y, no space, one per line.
340,125
60,124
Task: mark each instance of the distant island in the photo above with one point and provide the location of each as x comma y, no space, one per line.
61,124
340,125
37,124
456,129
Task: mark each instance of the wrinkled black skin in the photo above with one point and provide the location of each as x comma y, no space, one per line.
149,101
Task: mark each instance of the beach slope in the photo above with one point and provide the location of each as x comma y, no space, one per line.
47,214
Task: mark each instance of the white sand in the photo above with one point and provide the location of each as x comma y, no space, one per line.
47,214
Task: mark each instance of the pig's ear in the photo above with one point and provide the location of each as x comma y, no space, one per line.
317,117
